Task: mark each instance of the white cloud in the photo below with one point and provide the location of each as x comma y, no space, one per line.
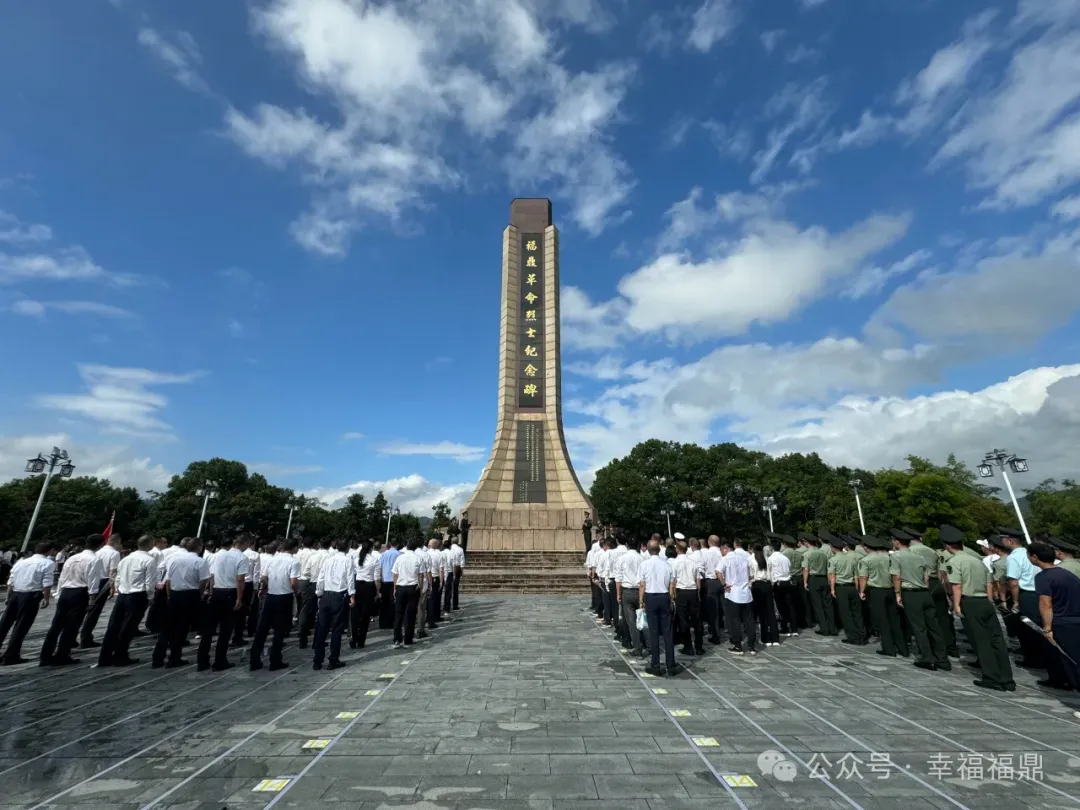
873,279
1068,208
120,399
113,462
351,436
770,39
409,81
236,329
181,56
411,493
712,22
811,4
444,449
34,259
801,53
586,325
802,108
38,309
13,231
274,469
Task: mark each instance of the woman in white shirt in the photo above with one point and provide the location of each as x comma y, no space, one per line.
367,594
761,589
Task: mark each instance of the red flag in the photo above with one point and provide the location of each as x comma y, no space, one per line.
108,529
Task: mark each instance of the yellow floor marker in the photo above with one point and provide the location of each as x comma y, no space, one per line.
705,742
388,676
317,745
373,692
659,691
647,675
347,715
680,712
739,780
270,786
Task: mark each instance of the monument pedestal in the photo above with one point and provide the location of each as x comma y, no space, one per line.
526,529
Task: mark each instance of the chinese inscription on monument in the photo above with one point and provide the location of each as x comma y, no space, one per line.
531,336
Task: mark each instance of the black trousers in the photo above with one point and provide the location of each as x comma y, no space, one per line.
181,610
19,615
93,612
457,584
309,609
740,623
362,611
276,615
64,630
406,601
886,616
942,603
434,613
333,617
386,606
1067,635
630,605
1031,643
788,605
448,593
658,610
240,621
611,615
254,608
218,616
714,601
124,620
155,616
688,606
597,599
765,611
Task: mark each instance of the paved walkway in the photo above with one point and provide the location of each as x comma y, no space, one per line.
523,702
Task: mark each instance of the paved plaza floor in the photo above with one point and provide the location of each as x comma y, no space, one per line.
522,702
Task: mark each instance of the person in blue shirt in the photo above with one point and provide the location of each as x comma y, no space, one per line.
1020,578
1058,590
386,587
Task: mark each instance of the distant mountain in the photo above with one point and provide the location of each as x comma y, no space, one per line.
425,523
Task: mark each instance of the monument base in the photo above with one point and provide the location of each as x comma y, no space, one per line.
527,528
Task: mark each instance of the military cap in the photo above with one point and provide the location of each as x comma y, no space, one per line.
806,536
827,537
1008,531
900,534
787,538
680,536
914,533
875,542
773,536
1061,545
836,542
950,535
997,541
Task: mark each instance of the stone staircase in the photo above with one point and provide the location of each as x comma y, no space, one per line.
515,572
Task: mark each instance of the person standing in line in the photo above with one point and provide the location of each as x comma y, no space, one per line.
459,566
617,550
280,581
386,568
762,596
656,591
310,567
336,591
816,582
972,601
938,593
804,547
734,572
186,579
109,555
29,587
626,584
135,584
448,580
424,591
156,612
1066,555
79,581
1058,589
842,589
911,574
687,588
306,549
438,577
784,593
875,590
594,583
406,587
248,596
228,570
1020,580
367,594
714,591
603,571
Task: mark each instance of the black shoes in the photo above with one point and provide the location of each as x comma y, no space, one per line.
279,665
88,644
10,662
255,666
687,650
336,665
176,664
316,666
223,667
887,655
924,665
1059,685
987,685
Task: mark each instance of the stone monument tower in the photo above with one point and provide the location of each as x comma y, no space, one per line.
528,497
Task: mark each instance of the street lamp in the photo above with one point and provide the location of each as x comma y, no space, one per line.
393,510
292,506
38,465
855,483
208,490
667,513
1002,458
769,505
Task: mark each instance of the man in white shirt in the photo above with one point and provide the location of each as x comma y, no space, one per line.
407,572
594,586
280,581
248,614
228,569
459,568
656,590
437,579
109,556
155,614
603,574
336,590
28,588
447,556
79,581
627,580
310,566
734,572
425,590
784,590
134,584
713,607
687,605
186,578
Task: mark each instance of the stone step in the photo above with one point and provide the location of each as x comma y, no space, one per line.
530,559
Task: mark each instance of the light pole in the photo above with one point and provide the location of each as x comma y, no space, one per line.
769,505
1003,458
292,506
208,490
855,483
47,466
390,512
667,513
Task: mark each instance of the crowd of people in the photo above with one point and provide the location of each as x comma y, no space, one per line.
899,591
239,594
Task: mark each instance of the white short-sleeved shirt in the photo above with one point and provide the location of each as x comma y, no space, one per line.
686,572
34,573
736,571
779,568
278,572
408,568
184,571
137,573
656,574
82,570
629,572
710,561
110,560
337,574
311,564
254,558
458,555
227,565
368,569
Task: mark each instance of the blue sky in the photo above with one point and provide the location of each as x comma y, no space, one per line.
271,231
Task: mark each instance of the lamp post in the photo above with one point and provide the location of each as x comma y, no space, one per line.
292,506
48,466
769,505
667,513
855,483
390,512
208,490
1002,458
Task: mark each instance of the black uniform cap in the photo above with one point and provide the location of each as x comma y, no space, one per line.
772,536
997,542
806,536
836,542
787,538
879,543
1008,531
1061,545
950,535
914,533
828,537
900,534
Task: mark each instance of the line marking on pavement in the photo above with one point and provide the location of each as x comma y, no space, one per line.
332,742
